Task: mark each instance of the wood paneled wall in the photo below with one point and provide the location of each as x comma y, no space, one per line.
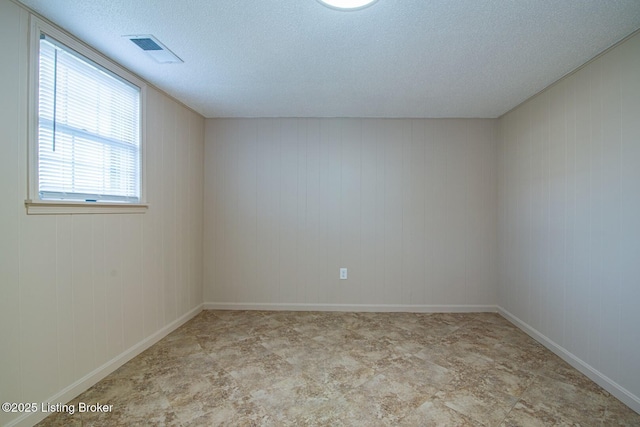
408,206
78,291
569,218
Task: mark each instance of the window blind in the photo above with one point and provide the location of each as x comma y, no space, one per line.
88,129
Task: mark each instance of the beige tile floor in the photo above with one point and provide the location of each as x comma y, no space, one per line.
249,368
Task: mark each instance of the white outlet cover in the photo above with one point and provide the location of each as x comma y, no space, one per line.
343,273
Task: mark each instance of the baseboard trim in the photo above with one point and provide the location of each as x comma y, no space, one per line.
99,373
596,376
400,308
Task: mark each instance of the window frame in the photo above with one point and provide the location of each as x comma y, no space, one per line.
34,204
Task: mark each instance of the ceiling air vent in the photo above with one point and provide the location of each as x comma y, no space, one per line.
152,46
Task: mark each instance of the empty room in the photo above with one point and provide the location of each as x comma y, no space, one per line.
320,213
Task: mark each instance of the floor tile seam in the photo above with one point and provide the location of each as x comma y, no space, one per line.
464,416
442,388
172,410
432,397
511,409
536,405
448,334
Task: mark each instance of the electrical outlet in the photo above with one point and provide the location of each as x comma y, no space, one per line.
343,273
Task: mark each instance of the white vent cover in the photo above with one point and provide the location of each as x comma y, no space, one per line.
152,46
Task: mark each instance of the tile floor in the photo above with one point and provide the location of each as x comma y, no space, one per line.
249,368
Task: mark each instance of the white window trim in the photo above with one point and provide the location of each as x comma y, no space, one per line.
33,203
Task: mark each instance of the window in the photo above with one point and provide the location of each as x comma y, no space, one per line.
86,148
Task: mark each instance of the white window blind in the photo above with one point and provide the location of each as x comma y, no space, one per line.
88,129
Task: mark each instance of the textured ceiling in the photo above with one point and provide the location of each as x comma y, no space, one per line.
397,58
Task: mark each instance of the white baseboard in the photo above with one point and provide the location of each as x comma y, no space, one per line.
99,373
596,376
404,308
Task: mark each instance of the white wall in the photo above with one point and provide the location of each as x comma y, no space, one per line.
408,206
569,219
80,291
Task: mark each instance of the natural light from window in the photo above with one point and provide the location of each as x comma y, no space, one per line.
88,130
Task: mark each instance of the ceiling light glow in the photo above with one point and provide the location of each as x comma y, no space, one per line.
347,4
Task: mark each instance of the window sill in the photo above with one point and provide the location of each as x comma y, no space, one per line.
61,208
